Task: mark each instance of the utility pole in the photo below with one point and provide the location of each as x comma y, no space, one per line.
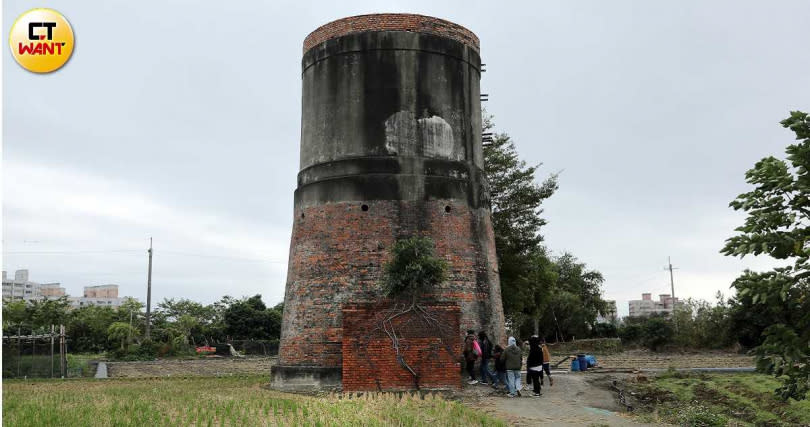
52,335
671,281
129,332
672,286
149,294
62,352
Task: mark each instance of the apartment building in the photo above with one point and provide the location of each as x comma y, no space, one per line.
104,295
21,288
647,306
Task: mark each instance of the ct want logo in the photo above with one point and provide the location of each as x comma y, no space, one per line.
41,40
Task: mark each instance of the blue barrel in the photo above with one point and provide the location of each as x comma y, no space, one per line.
574,365
583,362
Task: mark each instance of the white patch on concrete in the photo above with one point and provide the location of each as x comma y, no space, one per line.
400,134
430,136
437,138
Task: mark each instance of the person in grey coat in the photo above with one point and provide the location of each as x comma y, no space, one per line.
514,361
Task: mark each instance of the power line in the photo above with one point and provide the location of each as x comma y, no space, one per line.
272,261
97,251
223,257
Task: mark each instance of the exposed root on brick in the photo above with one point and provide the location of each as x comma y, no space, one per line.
387,326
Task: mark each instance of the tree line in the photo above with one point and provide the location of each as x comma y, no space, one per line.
178,325
557,297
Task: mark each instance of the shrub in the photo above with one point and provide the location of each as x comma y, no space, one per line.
605,330
657,332
700,416
147,350
631,333
414,268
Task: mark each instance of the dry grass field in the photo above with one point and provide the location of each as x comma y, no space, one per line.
235,401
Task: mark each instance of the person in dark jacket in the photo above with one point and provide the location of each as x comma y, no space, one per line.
500,367
514,361
534,363
486,355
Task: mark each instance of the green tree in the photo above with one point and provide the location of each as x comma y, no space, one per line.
699,324
778,224
180,334
530,299
585,284
121,331
88,328
657,332
189,319
516,199
44,313
749,321
573,300
249,318
414,268
14,314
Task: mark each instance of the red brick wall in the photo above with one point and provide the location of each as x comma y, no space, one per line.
391,22
337,254
430,348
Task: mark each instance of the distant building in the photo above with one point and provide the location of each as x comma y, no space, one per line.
51,290
103,295
647,306
21,288
101,291
609,316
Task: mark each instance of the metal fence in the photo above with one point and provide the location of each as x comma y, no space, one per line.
41,355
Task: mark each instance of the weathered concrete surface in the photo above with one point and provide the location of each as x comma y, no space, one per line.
305,378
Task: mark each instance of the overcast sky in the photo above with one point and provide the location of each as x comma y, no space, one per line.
180,120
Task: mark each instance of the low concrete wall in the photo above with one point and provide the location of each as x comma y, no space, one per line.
194,367
305,378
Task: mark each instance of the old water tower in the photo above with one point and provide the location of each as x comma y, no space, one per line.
390,148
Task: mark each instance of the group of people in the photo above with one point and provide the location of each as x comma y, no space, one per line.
507,362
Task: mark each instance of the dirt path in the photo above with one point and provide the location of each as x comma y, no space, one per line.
572,401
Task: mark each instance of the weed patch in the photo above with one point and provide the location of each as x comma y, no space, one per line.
716,399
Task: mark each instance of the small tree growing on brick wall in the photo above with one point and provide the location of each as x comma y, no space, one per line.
413,271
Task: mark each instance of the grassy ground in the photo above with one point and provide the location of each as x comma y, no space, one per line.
215,402
717,399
